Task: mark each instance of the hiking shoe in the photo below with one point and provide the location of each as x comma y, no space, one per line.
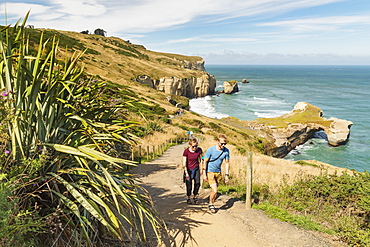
195,200
212,208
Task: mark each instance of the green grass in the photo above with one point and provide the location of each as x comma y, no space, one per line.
18,227
305,163
310,115
299,220
215,127
340,203
337,205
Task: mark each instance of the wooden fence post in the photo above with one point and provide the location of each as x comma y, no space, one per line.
249,171
139,154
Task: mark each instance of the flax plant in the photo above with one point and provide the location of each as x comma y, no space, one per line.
59,118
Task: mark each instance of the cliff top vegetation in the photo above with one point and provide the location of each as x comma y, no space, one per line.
114,59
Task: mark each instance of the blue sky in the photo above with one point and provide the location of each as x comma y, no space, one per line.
315,32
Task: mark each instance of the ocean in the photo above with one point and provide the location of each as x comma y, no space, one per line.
339,91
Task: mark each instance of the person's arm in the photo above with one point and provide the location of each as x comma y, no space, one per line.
204,168
184,162
227,167
201,161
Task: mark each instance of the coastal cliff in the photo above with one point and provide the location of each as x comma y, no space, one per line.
133,66
298,126
120,61
189,87
194,65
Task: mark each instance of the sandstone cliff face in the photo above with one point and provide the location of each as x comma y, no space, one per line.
299,126
198,65
338,132
286,139
189,87
230,87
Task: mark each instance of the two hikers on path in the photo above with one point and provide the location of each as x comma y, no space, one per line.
210,169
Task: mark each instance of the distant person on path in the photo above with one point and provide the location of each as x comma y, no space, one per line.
191,160
190,134
213,159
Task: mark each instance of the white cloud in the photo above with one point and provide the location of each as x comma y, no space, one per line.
240,8
186,40
79,7
211,39
230,39
19,10
212,25
146,16
233,57
320,23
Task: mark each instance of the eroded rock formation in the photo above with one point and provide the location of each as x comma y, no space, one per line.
197,65
230,87
295,128
338,132
189,87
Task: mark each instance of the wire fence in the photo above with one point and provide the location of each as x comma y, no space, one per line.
143,153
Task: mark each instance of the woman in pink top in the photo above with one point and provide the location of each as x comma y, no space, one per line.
191,159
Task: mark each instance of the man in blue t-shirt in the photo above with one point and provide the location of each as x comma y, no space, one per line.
213,159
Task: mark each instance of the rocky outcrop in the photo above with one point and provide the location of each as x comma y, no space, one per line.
245,81
198,65
230,87
286,139
189,87
338,132
295,128
144,79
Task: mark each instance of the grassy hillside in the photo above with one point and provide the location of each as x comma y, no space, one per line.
117,60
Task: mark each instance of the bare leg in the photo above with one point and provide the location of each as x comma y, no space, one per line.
212,198
213,194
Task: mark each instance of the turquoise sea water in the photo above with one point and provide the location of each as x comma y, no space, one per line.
340,91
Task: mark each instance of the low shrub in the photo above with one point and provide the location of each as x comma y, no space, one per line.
241,150
340,204
18,227
165,120
305,163
215,127
337,205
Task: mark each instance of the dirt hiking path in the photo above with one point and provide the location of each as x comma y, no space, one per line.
232,225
